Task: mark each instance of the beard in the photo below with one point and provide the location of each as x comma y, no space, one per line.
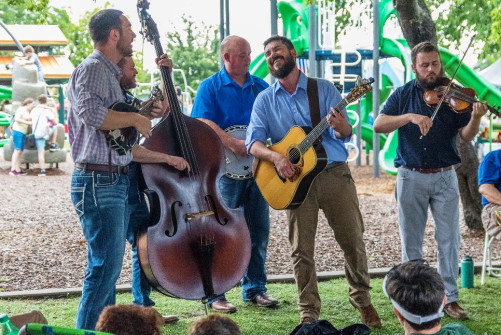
431,80
124,48
285,69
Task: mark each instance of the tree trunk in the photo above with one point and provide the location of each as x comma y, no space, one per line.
468,184
417,26
415,21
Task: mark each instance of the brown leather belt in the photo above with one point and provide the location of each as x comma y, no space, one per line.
436,170
102,167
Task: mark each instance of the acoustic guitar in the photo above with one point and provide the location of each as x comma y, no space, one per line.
124,139
301,147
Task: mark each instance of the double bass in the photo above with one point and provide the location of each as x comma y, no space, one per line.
194,246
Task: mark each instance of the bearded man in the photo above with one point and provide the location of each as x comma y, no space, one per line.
426,155
277,109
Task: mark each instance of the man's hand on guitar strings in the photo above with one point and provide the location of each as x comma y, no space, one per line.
143,125
283,166
335,119
157,109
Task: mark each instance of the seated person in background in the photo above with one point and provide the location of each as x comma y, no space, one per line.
489,181
129,320
214,324
417,293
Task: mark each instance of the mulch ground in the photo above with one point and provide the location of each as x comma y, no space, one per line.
42,246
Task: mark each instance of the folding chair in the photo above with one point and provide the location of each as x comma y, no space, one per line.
487,262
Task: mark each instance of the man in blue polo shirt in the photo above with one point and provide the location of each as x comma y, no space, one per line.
224,100
426,154
489,181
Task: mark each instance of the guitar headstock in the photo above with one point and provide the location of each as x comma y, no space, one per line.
149,28
362,86
156,93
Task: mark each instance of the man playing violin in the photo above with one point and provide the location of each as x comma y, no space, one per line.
426,155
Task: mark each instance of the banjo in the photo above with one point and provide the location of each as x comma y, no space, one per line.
237,167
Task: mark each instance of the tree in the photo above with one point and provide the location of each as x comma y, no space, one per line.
417,26
195,50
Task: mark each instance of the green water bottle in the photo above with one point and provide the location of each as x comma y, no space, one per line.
467,272
7,327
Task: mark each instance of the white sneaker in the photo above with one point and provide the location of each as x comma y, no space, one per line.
41,173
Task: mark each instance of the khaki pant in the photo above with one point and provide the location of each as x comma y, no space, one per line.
491,219
335,193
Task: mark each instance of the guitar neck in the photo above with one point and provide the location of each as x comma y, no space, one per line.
319,129
147,107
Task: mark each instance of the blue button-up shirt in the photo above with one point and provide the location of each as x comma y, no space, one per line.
276,111
438,148
223,101
93,87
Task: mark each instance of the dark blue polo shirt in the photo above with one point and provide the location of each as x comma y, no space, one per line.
438,148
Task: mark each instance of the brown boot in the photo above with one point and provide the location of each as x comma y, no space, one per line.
455,311
369,315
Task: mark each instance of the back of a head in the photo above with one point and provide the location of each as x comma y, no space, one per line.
103,22
214,324
42,99
129,320
419,290
28,48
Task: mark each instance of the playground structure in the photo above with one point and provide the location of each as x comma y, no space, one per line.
295,17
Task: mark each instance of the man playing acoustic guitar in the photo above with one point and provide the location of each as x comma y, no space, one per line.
277,109
223,100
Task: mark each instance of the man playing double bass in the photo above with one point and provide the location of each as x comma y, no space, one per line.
225,99
426,156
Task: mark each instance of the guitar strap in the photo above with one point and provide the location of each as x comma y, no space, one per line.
312,91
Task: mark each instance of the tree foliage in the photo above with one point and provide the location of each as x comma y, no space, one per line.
195,50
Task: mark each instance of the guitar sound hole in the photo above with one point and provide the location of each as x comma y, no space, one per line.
294,156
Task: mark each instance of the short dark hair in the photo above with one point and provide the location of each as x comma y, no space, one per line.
121,62
103,22
214,324
42,98
282,39
425,46
418,288
28,48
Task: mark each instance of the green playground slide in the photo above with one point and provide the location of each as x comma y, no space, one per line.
5,92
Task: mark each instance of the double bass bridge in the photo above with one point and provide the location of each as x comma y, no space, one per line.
199,215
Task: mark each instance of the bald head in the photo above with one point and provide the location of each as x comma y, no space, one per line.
232,43
235,52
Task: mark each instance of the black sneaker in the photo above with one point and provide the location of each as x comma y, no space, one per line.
22,173
54,147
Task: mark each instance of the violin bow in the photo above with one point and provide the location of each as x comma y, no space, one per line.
447,89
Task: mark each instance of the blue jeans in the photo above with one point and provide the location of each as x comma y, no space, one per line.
101,205
244,194
138,216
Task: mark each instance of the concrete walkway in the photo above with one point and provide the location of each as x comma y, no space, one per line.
289,278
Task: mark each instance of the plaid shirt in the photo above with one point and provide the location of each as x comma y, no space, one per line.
93,87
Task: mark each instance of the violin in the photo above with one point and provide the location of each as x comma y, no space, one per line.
460,99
